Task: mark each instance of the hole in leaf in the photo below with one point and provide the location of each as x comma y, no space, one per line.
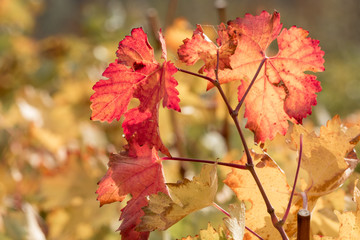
210,32
273,49
138,66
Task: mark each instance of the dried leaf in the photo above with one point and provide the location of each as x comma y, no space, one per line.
328,158
236,224
186,197
209,234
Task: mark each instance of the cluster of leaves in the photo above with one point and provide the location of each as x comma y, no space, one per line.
275,90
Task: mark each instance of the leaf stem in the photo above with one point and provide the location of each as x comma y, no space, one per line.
305,201
197,75
250,85
221,209
233,114
233,165
295,181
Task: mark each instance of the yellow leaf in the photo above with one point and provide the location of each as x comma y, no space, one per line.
327,158
208,234
276,187
350,221
187,196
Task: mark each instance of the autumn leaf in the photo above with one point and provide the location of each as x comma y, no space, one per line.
349,221
277,189
209,234
185,197
282,91
136,74
328,158
200,47
139,173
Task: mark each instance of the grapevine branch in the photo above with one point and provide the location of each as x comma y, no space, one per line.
234,115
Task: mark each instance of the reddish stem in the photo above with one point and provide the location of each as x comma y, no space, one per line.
250,165
221,210
233,165
197,75
232,113
295,181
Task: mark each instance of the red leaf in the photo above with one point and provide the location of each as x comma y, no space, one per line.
282,91
137,172
136,74
112,96
199,47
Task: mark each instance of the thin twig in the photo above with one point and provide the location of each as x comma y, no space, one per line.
270,209
221,209
295,181
233,165
197,75
232,113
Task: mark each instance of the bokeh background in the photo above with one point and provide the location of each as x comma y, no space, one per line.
53,51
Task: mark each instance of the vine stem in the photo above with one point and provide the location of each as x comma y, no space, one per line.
250,165
233,165
295,181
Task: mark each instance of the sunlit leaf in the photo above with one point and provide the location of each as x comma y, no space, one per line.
276,187
328,158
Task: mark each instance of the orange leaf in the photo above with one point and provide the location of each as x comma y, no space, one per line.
200,47
282,91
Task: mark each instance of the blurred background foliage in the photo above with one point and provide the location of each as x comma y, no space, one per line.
51,54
